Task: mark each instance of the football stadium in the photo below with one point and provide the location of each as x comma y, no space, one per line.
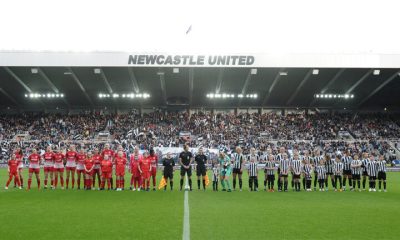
199,120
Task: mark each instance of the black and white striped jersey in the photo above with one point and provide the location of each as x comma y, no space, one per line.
346,160
338,168
279,157
296,166
382,166
329,165
270,164
321,172
254,157
252,169
356,170
307,169
372,168
284,165
238,160
316,160
364,162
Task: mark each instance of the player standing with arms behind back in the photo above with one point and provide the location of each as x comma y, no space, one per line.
34,167
239,162
169,163
48,167
154,162
382,172
185,160
13,171
97,168
201,170
70,167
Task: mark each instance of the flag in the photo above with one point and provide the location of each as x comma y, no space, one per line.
207,180
162,184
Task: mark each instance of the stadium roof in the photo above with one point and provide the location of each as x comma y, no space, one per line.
275,87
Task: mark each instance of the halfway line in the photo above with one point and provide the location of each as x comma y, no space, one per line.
186,223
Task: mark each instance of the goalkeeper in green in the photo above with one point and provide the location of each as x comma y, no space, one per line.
225,171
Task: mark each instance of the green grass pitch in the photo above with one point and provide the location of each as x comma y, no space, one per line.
72,214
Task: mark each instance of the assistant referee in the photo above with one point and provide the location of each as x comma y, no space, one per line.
185,160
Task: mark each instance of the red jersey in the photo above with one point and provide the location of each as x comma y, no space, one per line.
89,163
13,165
80,158
135,159
97,159
34,160
120,163
106,166
18,157
123,154
108,152
58,157
71,157
48,159
145,164
153,161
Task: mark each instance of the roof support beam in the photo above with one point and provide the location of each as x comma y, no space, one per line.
294,95
271,88
78,82
108,86
219,80
191,81
5,93
50,83
18,79
362,79
391,78
133,80
163,88
328,85
245,85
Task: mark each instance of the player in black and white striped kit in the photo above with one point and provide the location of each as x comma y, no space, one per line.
347,175
309,158
317,158
238,164
329,162
338,173
296,167
278,159
364,161
307,170
356,171
284,166
253,173
321,171
372,169
382,172
270,173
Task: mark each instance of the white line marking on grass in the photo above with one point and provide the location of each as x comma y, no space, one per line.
186,223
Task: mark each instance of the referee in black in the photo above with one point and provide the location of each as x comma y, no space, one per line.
185,160
201,171
169,163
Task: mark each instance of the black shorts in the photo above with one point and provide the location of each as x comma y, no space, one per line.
271,178
356,176
381,176
188,171
169,175
201,170
237,171
372,177
365,173
329,173
296,176
347,172
283,175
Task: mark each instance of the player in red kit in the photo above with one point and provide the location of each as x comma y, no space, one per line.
13,171
34,167
120,163
47,158
136,180
89,166
153,161
120,148
145,170
70,167
19,157
106,171
111,154
80,167
58,158
97,167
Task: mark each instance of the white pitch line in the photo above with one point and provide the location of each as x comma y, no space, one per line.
186,223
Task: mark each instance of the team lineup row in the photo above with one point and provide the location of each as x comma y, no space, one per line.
143,168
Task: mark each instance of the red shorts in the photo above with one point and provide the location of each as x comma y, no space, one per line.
34,170
106,175
80,171
48,169
59,170
15,174
145,175
120,173
153,171
90,173
136,174
70,168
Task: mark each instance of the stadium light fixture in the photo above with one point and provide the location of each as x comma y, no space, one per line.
385,109
175,70
124,95
377,72
44,95
97,71
315,71
253,71
335,96
34,70
283,73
